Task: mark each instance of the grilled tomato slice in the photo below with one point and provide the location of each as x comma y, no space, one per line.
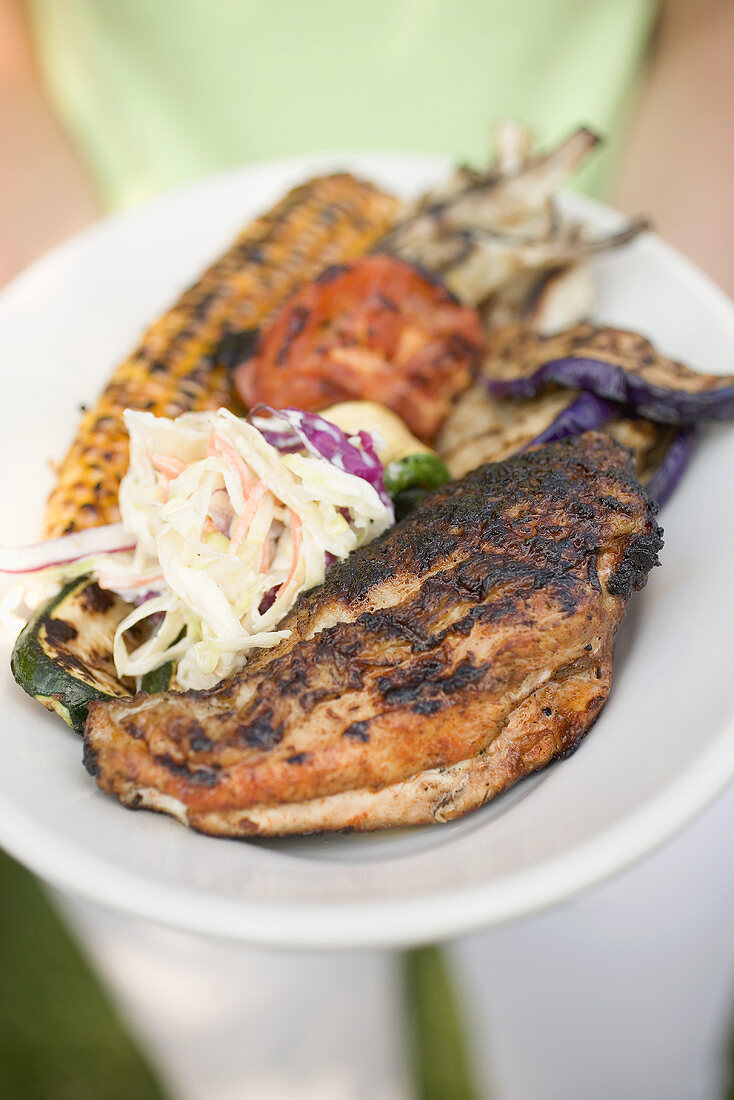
374,329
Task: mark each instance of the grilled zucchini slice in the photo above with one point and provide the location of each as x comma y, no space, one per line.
63,655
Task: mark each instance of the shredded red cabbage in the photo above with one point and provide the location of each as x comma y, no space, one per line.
112,538
299,430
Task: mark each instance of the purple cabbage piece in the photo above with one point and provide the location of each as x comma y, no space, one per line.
268,599
584,414
614,383
285,442
308,431
665,480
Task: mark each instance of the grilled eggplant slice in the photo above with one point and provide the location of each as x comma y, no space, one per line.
481,429
63,655
614,364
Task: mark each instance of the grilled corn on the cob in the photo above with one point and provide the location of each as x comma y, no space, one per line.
181,363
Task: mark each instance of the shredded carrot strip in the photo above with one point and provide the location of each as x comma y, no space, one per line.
245,518
297,533
220,446
167,465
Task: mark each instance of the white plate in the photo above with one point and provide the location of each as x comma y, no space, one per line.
663,747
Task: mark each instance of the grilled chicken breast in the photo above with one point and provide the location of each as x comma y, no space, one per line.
467,647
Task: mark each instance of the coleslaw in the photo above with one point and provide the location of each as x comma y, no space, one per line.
224,521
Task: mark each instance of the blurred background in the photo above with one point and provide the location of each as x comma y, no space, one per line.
104,103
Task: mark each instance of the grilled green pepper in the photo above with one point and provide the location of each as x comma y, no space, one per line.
410,478
421,470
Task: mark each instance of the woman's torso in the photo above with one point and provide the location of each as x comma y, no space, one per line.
159,92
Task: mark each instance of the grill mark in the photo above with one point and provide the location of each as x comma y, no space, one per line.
201,743
421,682
71,663
358,731
235,347
96,600
616,505
59,631
260,732
200,777
298,758
330,273
296,324
427,706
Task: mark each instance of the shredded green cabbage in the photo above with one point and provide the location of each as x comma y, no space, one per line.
222,519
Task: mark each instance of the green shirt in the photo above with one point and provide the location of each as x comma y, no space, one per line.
156,92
